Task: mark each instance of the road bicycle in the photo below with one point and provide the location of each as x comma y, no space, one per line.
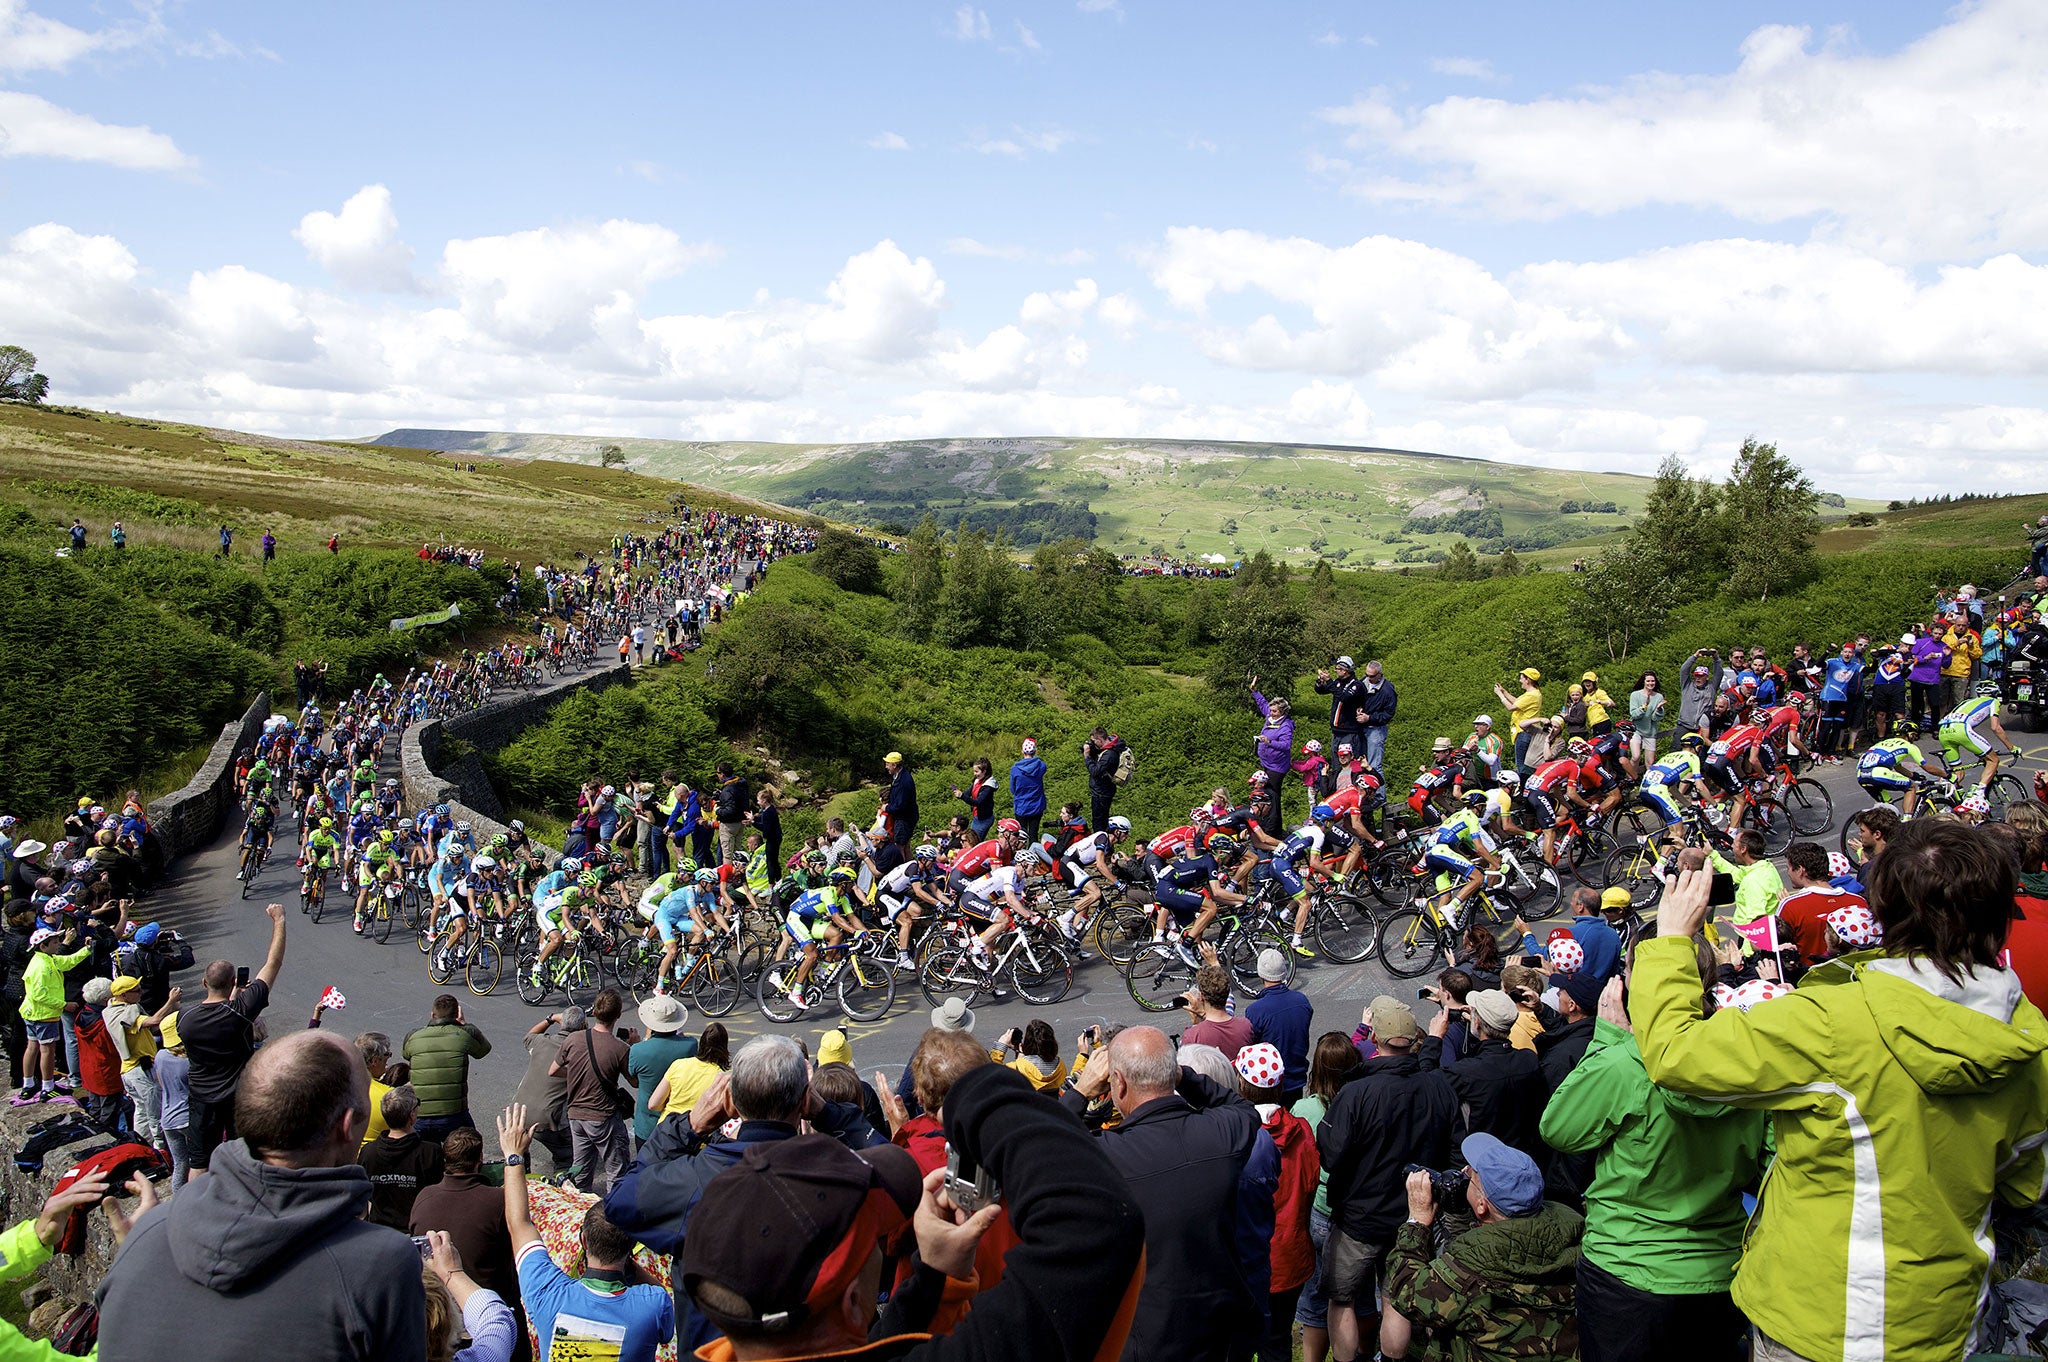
1415,939
313,889
864,984
254,858
710,974
575,969
1159,974
479,957
1031,956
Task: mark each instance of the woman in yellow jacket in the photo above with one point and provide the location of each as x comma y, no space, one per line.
1908,1087
1598,702
1965,647
1035,1053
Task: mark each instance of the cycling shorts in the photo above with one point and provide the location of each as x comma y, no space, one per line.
1287,877
1658,797
1956,738
801,930
456,908
672,925
1882,780
1450,861
254,837
892,905
1075,874
548,913
1542,808
1721,774
1182,904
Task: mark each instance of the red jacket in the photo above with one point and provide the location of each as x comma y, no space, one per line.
1300,1167
2026,946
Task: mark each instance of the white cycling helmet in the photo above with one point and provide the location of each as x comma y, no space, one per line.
485,863
462,825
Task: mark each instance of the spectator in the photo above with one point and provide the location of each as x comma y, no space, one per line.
1646,710
979,797
541,1089
1281,1017
1812,898
439,1053
375,1048
590,1067
220,1036
77,533
899,802
1932,1072
30,1244
1290,1256
730,803
1333,1064
648,1062
472,1214
42,1007
173,1074
1498,1085
399,1163
156,954
769,1091
1696,697
1525,714
271,1250
2026,941
574,1315
457,1304
1376,704
1273,745
1208,1002
1392,1112
1758,886
1027,790
1593,928
1034,1052
1664,1214
99,1063
134,1037
1870,832
1084,1250
1181,1146
1500,1289
687,1080
1102,754
1347,724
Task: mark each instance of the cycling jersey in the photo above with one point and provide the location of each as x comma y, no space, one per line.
1841,673
321,848
1553,777
675,914
551,884
1739,740
977,859
1181,882
1672,770
1172,842
1003,879
896,888
1461,829
258,827
660,889
809,917
1959,728
1364,796
1887,753
1972,711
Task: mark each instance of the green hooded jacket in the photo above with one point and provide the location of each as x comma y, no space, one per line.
1502,1290
440,1053
1664,1211
1904,1103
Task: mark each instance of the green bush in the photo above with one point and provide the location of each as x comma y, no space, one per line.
121,503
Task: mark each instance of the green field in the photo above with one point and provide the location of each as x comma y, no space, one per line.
1178,498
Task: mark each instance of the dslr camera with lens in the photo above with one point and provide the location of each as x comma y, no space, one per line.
1448,1186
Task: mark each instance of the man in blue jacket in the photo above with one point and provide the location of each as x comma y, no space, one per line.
901,802
1376,703
1281,1016
769,1090
1027,790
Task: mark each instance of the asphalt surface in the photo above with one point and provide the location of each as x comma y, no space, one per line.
388,989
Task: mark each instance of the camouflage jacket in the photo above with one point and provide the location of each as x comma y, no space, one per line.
1496,1291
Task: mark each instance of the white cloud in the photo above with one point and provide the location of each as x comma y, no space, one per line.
1062,311
1005,361
32,126
1330,38
31,42
1464,68
236,314
1931,152
359,246
1121,314
1021,142
967,245
888,141
1027,39
970,25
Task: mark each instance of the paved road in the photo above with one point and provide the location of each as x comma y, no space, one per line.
388,989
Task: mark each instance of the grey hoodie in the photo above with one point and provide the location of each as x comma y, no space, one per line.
255,1261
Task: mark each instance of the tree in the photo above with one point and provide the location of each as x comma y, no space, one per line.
1541,639
1261,633
1622,598
1322,582
847,561
611,456
1771,512
19,381
923,580
1507,565
1459,565
1680,529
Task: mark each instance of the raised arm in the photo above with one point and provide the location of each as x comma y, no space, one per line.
515,1136
273,963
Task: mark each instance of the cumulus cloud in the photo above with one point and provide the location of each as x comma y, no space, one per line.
1061,311
889,141
32,42
359,246
32,126
1930,152
553,287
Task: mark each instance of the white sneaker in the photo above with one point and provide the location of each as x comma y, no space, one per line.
1187,955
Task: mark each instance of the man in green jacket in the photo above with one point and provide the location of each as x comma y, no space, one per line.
1664,1212
440,1053
1758,886
1909,1092
1502,1288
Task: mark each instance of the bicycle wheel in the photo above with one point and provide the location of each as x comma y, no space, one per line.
582,981
409,906
1637,824
715,986
1240,955
1538,887
441,963
305,898
1635,869
1391,877
1040,973
950,974
319,905
1121,931
1347,929
633,972
1157,977
1768,817
776,1004
1809,805
247,877
866,988
2002,793
752,960
386,910
486,962
1410,943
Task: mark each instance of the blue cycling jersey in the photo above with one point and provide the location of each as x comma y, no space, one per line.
1188,873
1839,675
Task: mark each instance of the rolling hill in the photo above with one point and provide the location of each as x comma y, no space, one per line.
1177,497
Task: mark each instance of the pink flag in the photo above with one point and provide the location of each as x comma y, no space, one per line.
1762,933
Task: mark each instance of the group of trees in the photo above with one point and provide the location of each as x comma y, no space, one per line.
965,589
19,381
1589,508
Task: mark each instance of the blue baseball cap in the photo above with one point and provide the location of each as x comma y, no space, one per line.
146,936
1510,1178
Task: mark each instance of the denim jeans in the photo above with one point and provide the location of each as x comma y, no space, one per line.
181,1156
1311,1310
1375,745
70,1049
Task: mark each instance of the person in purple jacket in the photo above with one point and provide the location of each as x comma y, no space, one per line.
1274,745
1930,655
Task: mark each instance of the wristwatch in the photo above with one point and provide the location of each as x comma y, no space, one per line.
515,1160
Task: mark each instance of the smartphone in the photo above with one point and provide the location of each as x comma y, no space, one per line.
241,976
1427,995
970,1188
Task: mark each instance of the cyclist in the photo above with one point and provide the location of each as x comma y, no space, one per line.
1666,782
412,848
1443,778
1087,867
1453,847
1190,889
1960,730
378,867
1304,851
481,894
1611,750
319,851
388,799
1895,765
362,827
1739,756
460,837
982,857
822,914
905,892
1558,778
661,886
683,911
364,778
552,914
1781,725
256,834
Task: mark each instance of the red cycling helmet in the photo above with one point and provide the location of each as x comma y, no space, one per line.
1009,825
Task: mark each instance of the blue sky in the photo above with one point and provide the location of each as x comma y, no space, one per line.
1579,236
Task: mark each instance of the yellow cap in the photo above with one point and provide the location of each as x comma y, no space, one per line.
1532,673
834,1048
894,757
1590,676
1614,898
170,1031
125,983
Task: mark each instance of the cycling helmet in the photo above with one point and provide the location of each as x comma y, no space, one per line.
841,875
462,825
1117,823
517,825
705,875
687,866
1200,815
590,879
1222,844
1322,813
485,863
600,852
1475,798
441,809
327,824
926,852
1908,728
500,842
570,866
1312,745
1030,856
1691,740
1510,778
814,859
1012,825
385,836
391,783
405,825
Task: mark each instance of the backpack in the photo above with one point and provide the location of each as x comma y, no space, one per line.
119,1162
1125,764
50,1133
